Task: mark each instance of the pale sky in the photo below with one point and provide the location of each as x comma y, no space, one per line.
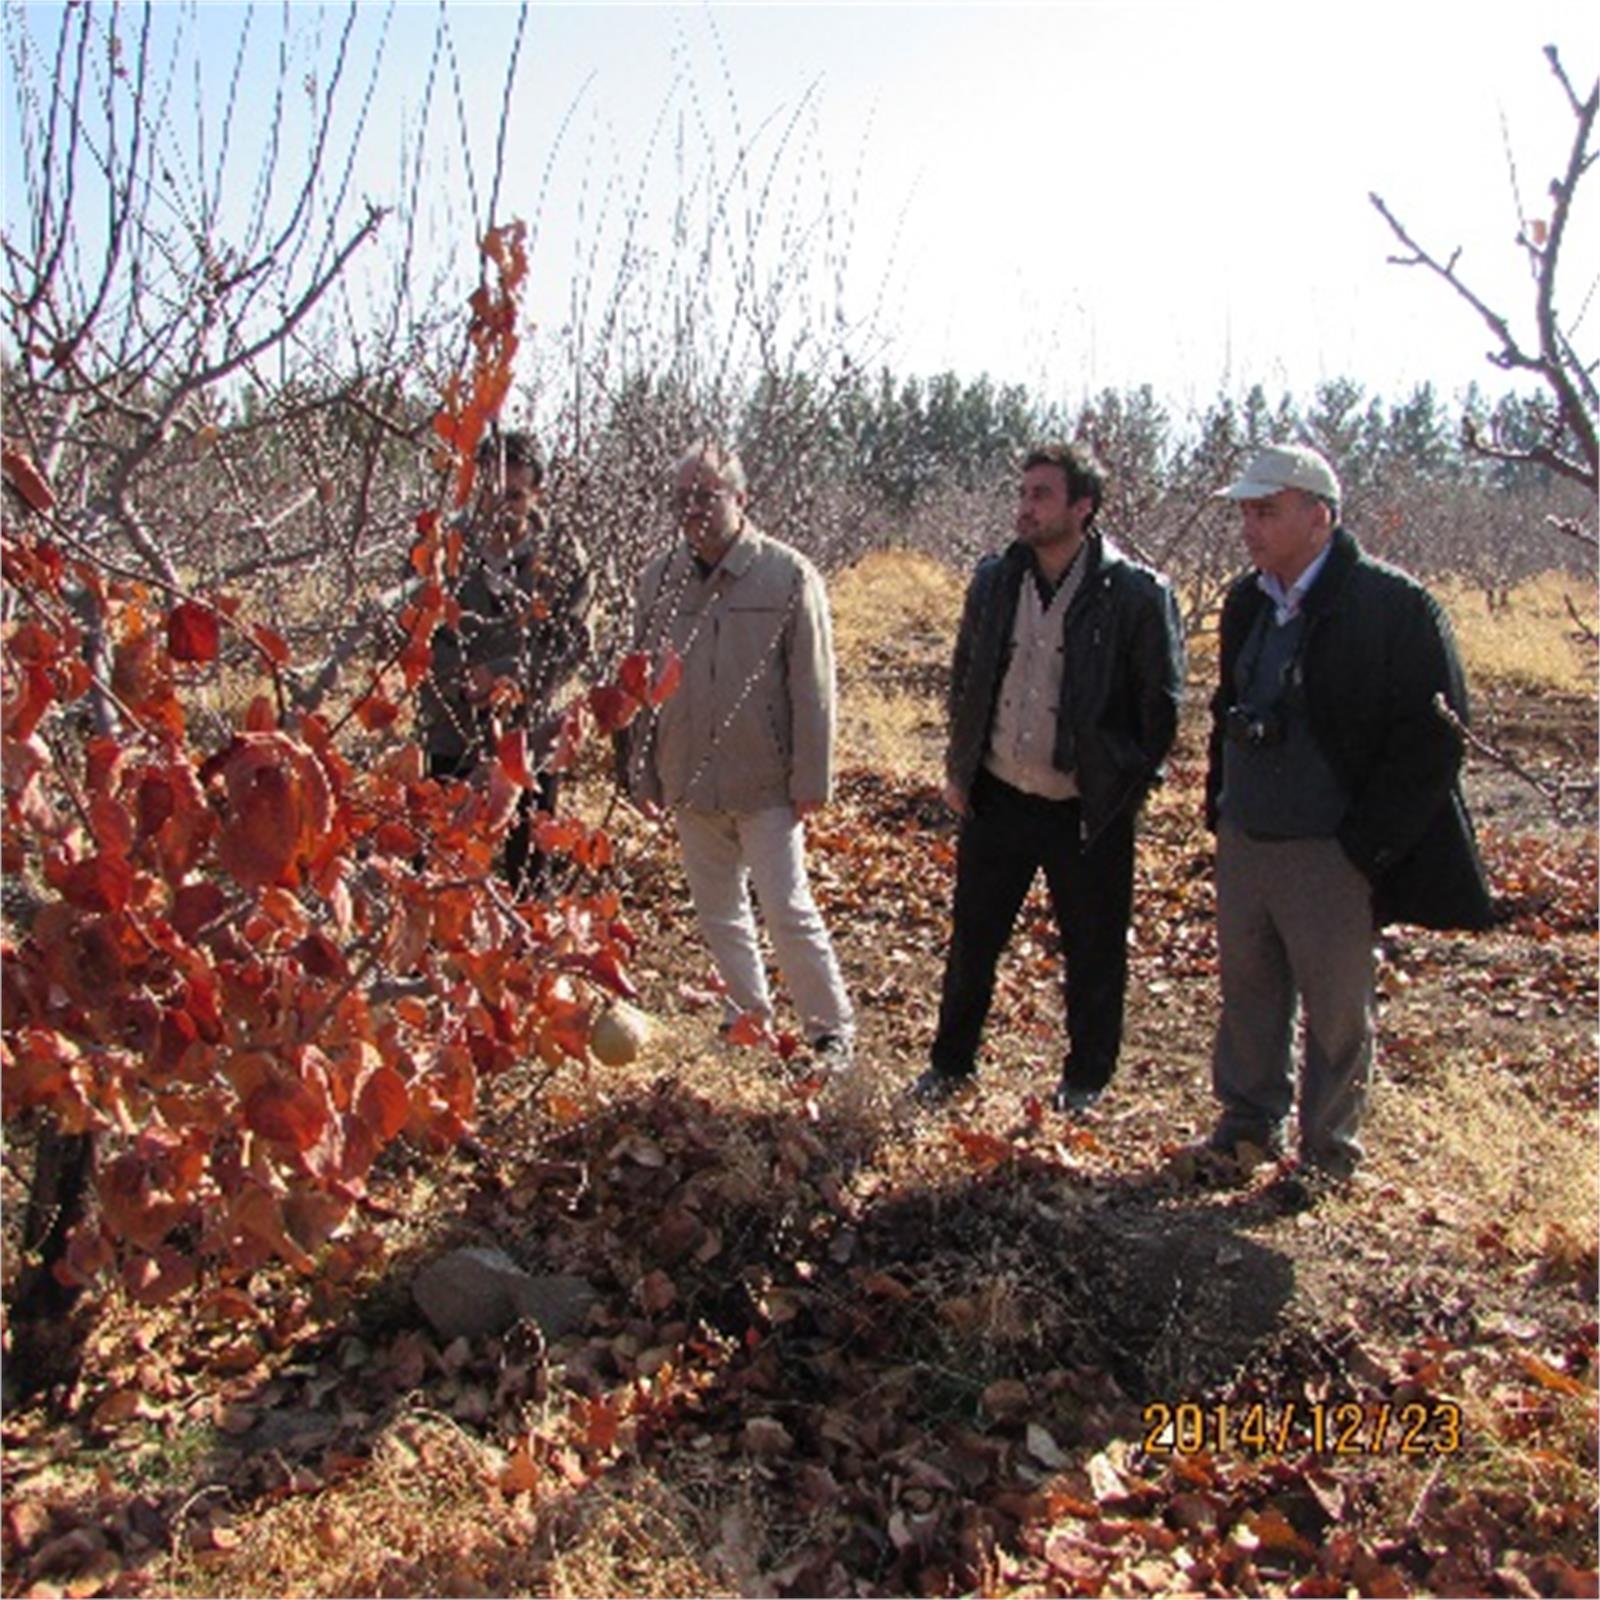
1070,196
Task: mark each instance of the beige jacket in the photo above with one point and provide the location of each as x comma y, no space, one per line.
751,725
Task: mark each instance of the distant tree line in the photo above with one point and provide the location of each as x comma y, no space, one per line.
219,416
861,462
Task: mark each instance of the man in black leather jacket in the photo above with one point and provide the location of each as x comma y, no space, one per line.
1333,786
1063,703
523,591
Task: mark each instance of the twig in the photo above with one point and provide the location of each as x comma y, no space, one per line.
1419,1505
1586,633
1555,795
1573,529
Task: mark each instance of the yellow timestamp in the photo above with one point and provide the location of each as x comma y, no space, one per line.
1337,1428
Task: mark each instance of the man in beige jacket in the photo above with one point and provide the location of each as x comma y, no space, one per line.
743,752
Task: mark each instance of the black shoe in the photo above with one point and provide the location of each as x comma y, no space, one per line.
935,1086
1301,1189
1072,1098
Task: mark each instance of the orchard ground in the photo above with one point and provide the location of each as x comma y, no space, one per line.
849,1347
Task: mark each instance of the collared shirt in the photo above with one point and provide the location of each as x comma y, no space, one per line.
1287,602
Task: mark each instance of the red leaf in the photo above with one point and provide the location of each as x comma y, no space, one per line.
286,1110
151,1280
1551,1377
257,1213
556,835
609,970
272,644
260,715
321,957
521,1473
111,825
25,477
384,1102
35,644
279,803
195,905
178,1031
154,802
634,674
512,754
258,845
29,703
980,1148
101,883
193,633
613,708
396,839
668,678
599,1420
375,713
749,1028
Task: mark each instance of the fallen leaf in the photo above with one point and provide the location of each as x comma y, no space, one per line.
1043,1448
766,1436
1006,1399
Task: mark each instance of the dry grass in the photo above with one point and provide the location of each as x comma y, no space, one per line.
426,1516
889,606
1533,642
893,595
1521,1161
423,1517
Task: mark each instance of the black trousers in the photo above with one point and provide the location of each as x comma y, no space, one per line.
1004,842
525,869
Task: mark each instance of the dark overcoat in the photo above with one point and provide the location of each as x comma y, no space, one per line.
1378,661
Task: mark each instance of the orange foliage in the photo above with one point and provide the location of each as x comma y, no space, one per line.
198,985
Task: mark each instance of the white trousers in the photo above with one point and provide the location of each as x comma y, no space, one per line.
725,852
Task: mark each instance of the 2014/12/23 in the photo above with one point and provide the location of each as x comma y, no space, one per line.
1341,1428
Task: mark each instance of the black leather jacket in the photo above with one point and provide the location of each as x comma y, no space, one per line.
1123,676
524,619
1378,650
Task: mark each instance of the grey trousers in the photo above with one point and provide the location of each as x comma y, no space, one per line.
1294,923
723,852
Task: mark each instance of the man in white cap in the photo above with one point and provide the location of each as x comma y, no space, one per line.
1333,789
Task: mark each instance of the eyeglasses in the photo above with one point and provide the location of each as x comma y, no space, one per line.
699,496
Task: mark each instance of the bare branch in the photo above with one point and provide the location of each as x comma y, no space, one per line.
1585,634
1558,797
1571,528
1555,362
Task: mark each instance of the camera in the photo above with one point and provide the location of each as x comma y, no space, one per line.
1259,729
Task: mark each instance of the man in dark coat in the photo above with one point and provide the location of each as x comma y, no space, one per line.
1333,787
524,591
1063,703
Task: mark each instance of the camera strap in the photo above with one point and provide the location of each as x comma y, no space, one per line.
1269,670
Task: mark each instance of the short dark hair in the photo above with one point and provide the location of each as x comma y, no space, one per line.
513,448
1085,475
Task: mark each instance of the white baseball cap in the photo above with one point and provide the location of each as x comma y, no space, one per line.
1284,466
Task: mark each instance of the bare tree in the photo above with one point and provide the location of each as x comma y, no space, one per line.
201,349
1548,351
